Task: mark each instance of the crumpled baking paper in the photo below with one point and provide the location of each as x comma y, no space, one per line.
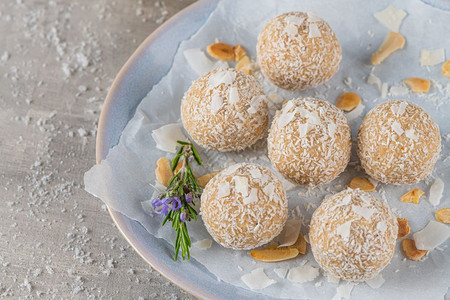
124,179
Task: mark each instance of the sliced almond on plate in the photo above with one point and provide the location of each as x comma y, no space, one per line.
393,42
163,171
348,101
300,244
221,51
244,65
239,52
412,196
274,255
362,184
443,215
410,250
403,228
203,180
446,69
418,85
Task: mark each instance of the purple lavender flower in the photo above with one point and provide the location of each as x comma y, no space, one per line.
176,203
183,216
156,203
188,198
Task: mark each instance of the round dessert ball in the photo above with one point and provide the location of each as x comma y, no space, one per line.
225,110
398,143
309,141
353,235
298,50
244,206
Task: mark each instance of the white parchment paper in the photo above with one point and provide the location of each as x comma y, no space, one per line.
124,180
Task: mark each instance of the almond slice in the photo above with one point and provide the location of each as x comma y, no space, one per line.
393,42
163,171
244,65
446,69
273,255
348,101
412,196
418,85
411,252
239,52
203,180
221,51
403,228
443,215
300,244
361,183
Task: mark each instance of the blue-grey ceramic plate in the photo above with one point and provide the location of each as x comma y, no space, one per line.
150,62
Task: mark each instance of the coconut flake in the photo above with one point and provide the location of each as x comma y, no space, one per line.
355,113
269,189
376,282
332,278
313,17
289,234
400,108
364,212
166,137
216,102
203,244
374,80
255,173
198,61
346,200
253,197
291,29
281,272
294,20
432,57
241,185
303,274
398,90
436,191
234,95
411,134
382,226
332,129
224,190
397,127
226,77
391,17
344,291
257,279
434,234
344,230
314,31
255,103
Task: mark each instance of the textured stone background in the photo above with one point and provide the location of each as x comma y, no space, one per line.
57,61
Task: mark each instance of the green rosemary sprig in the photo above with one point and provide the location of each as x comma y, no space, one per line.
177,202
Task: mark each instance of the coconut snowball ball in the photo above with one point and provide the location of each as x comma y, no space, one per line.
225,110
353,235
298,50
309,141
398,143
244,206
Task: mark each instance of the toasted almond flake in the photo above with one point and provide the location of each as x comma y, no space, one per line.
361,183
281,272
418,85
403,228
178,167
376,282
239,52
412,196
221,51
289,234
432,57
436,191
443,215
244,65
203,180
432,235
348,101
410,250
393,42
257,279
303,274
166,137
203,244
163,171
446,69
391,17
274,255
300,244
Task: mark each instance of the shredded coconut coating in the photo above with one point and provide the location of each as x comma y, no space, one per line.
298,50
225,110
398,143
309,141
240,216
353,235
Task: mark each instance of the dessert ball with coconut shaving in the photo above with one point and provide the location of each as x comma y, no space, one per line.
225,110
398,143
244,206
309,141
298,50
353,235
